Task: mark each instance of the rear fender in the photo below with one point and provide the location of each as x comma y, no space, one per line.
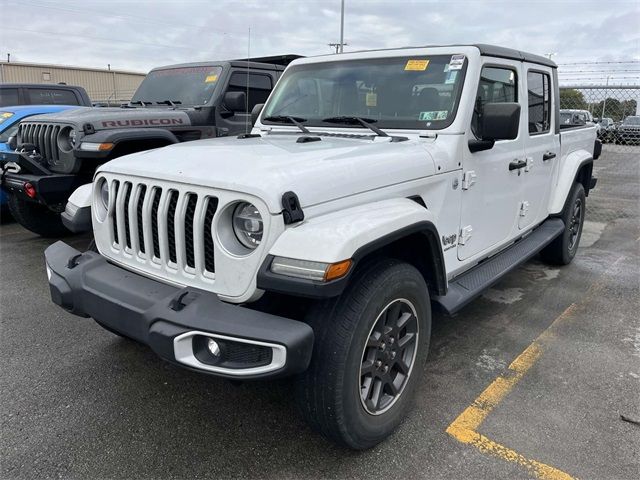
570,166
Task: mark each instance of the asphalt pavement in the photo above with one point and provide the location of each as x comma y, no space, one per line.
555,350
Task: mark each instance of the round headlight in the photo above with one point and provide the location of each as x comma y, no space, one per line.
104,194
72,137
247,225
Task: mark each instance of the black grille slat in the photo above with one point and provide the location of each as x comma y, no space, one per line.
189,225
114,218
143,191
157,192
171,230
209,261
127,228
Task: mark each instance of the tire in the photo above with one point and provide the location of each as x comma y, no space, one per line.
37,218
562,250
329,392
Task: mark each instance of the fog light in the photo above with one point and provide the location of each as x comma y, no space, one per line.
213,347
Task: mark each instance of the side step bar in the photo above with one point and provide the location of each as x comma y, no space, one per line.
472,283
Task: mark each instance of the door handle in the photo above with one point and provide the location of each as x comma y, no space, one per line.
548,156
517,164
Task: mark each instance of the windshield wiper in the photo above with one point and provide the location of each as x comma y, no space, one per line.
288,119
142,103
172,103
365,122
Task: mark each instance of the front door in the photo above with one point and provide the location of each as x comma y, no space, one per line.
491,192
542,146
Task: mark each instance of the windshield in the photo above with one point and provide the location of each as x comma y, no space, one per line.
400,92
185,85
632,121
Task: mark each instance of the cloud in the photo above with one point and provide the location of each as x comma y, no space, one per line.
145,34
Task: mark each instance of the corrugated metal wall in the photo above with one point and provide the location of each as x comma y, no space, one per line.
102,85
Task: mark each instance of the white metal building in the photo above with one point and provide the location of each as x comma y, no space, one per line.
102,85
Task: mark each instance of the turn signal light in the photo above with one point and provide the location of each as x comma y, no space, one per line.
30,190
337,270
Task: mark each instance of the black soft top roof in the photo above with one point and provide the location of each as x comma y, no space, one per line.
512,54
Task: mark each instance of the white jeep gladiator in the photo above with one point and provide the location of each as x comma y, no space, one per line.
373,187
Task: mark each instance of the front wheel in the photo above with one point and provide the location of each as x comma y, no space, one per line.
370,348
37,218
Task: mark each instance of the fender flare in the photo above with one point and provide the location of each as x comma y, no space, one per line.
571,166
353,233
121,135
77,212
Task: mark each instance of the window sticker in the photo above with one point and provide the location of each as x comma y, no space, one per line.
451,77
211,78
456,62
372,99
435,115
417,65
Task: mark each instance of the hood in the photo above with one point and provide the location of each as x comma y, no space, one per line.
269,166
116,117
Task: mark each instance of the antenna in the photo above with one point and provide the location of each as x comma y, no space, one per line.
246,102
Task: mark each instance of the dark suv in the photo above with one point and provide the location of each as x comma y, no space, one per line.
14,94
176,103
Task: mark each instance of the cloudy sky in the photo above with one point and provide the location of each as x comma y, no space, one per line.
146,33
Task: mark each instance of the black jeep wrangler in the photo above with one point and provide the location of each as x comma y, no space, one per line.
56,153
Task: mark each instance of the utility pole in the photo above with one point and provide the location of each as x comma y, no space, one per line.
550,54
337,46
342,26
604,103
8,58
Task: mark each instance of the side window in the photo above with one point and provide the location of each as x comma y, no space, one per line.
259,86
8,97
497,85
539,93
43,96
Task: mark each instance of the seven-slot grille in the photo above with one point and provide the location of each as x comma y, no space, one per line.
44,136
163,225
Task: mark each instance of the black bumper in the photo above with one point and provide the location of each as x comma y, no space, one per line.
51,188
155,313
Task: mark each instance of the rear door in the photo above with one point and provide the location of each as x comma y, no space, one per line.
541,143
491,191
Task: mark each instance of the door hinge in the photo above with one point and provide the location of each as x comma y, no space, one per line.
524,208
468,179
465,235
529,161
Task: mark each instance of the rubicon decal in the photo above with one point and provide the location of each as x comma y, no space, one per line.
143,122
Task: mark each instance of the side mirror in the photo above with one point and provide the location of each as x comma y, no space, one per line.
13,142
500,121
235,101
255,112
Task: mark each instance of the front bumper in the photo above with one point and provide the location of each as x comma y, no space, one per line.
174,321
52,189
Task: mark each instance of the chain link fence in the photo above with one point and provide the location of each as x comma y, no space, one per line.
614,109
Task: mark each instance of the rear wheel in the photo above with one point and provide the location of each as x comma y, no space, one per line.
370,347
37,218
562,250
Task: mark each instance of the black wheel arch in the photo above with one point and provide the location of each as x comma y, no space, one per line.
417,244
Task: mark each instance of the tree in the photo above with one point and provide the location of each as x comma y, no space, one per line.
572,98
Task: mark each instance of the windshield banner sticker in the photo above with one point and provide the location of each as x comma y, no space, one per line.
437,115
456,62
417,65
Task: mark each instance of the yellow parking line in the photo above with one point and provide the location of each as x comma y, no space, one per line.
465,427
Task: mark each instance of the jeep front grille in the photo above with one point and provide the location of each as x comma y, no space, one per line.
44,136
166,226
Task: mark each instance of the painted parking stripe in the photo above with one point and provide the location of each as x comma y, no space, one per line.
465,427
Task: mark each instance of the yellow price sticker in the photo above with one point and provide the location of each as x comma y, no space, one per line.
211,79
417,65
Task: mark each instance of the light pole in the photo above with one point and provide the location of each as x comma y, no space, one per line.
604,103
341,26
